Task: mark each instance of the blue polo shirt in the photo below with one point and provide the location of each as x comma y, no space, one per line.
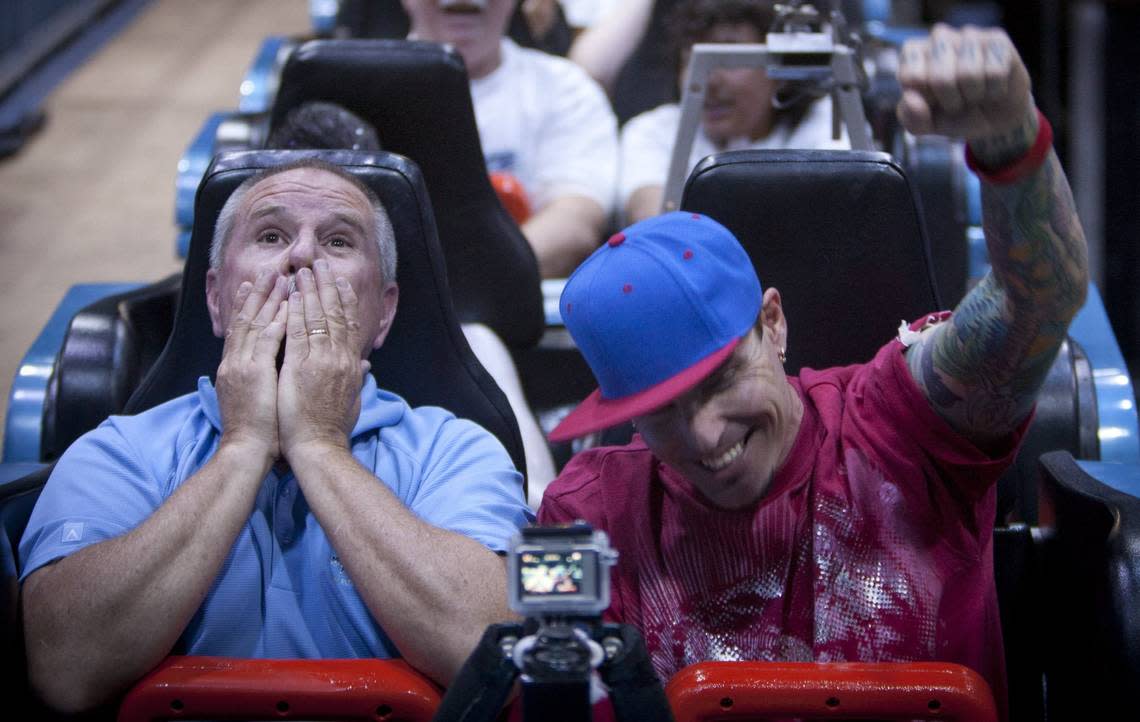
281,592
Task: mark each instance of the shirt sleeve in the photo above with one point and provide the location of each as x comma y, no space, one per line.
579,148
98,490
890,392
553,511
574,495
471,487
646,149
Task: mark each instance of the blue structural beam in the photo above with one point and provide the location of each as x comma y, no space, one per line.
18,470
322,14
891,34
1122,477
257,91
191,166
259,86
1116,401
23,426
551,296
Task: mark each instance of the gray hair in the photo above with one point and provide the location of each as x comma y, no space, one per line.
385,235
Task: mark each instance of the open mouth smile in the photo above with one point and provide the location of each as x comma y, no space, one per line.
724,459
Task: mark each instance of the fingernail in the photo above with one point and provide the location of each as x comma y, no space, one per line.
341,283
321,264
306,272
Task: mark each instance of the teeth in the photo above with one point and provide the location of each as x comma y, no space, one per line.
716,463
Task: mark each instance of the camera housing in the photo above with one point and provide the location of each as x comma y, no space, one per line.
556,571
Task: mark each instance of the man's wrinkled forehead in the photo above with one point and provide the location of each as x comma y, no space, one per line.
301,188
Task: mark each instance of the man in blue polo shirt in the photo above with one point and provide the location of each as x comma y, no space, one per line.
282,511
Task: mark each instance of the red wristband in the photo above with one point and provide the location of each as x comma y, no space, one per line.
1021,167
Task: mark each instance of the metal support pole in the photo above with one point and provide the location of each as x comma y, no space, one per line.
1087,125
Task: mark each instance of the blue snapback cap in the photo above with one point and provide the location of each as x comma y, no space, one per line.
654,311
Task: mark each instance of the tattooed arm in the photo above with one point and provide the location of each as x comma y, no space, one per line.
982,369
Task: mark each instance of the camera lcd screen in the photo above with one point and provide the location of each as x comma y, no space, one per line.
559,574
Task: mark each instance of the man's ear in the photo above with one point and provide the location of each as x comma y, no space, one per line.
772,321
212,302
389,300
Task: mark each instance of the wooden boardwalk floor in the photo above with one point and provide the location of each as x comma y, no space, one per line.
91,197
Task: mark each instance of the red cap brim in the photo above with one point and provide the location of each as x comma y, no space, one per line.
597,413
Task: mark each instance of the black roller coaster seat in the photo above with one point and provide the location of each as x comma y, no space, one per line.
425,357
1091,595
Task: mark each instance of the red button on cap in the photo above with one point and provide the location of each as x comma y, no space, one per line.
617,239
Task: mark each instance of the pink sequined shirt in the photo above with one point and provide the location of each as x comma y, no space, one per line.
873,543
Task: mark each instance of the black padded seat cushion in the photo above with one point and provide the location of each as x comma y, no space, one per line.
109,347
1091,595
417,96
425,358
813,222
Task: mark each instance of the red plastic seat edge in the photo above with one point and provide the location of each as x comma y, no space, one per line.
887,691
224,688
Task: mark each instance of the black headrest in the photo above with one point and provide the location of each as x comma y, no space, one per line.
425,358
837,232
417,95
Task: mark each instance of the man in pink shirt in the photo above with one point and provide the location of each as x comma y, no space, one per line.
845,514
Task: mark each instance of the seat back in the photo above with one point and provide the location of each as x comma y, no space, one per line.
837,232
1066,419
935,165
425,357
1091,594
417,96
109,347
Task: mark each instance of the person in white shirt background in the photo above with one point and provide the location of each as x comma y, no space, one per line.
541,118
740,110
